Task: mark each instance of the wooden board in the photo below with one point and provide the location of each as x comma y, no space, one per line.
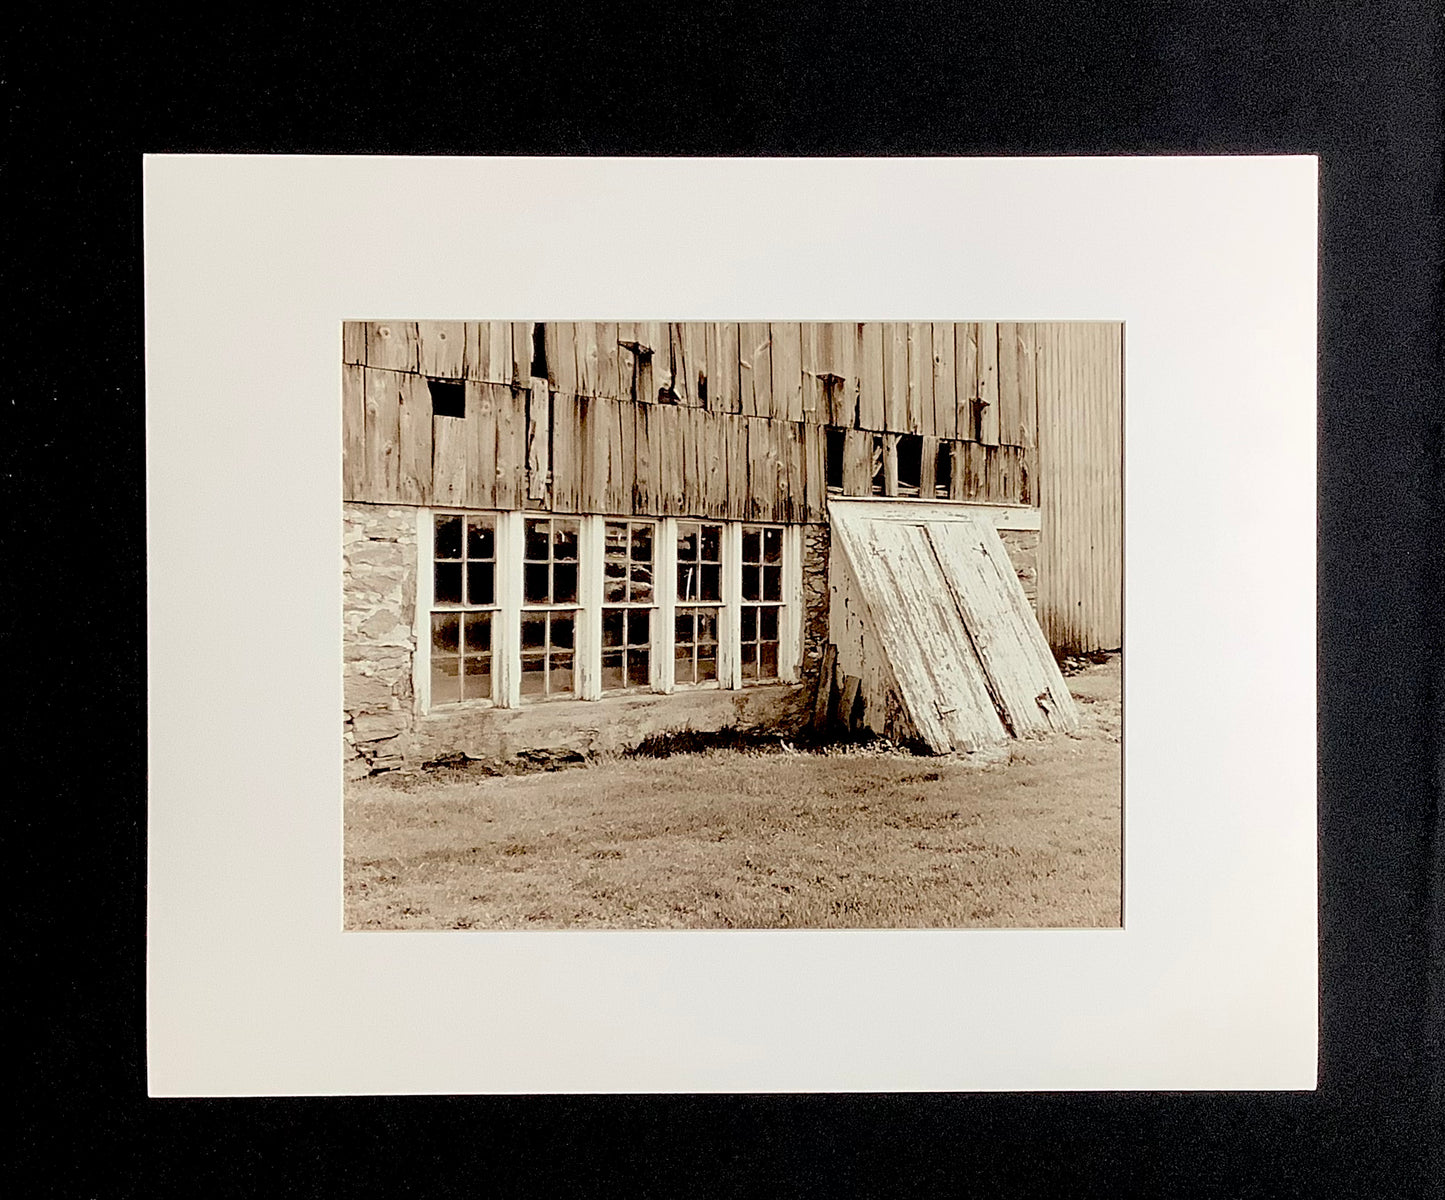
724,390
868,358
920,378
392,345
511,446
787,362
1028,385
353,431
1024,680
965,353
415,419
382,435
895,376
482,444
594,434
755,362
945,381
1008,383
566,453
647,463
857,462
521,353
815,489
489,354
441,348
353,343
737,442
988,382
561,346
450,439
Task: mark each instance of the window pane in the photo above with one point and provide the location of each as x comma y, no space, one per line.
533,681
750,583
750,660
707,628
684,628
637,668
481,541
534,633
682,670
641,592
639,626
751,553
642,543
612,625
772,583
773,545
750,624
562,631
711,583
687,581
712,543
561,678
449,537
537,540
445,681
768,660
564,541
611,669
706,663
480,583
768,624
447,584
614,585
477,682
617,539
534,587
687,542
478,631
564,583
444,633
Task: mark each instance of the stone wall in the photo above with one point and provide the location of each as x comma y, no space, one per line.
816,539
378,610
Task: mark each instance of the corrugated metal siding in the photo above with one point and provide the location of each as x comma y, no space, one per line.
1080,484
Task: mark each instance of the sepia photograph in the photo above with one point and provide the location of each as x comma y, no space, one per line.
732,625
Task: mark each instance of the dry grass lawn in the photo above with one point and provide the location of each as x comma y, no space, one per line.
852,837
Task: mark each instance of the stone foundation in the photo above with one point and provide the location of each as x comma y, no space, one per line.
1023,551
378,610
816,541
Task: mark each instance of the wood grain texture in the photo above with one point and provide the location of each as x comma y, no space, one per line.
450,439
787,364
868,358
441,348
988,382
415,420
756,368
353,431
895,377
1009,420
920,418
481,448
392,345
945,381
353,343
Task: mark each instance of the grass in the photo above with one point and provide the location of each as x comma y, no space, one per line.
753,837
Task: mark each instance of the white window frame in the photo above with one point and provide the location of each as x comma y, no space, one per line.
657,637
587,649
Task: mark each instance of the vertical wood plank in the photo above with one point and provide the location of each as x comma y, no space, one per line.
945,381
890,464
756,368
627,462
928,468
511,445
857,462
814,476
561,347
841,345
450,437
605,379
965,346
414,404
657,337
353,432
584,352
566,464
1028,385
895,376
539,439
441,348
594,433
725,389
920,378
958,468
738,463
392,345
481,448
494,349
1008,383
869,358
811,354
521,353
697,350
353,343
787,364
988,382
626,361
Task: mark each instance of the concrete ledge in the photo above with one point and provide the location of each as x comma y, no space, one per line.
607,726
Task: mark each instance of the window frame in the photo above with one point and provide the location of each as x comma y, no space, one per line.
550,608
679,604
657,638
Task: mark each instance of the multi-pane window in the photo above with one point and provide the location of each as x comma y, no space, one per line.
464,597
699,597
762,601
627,602
549,606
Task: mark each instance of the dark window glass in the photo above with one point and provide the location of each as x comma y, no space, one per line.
560,678
750,624
683,630
564,541
444,633
478,631
535,588
772,545
751,540
711,583
768,660
639,624
612,627
772,583
477,682
480,583
712,543
538,540
612,676
564,583
447,584
637,668
687,542
768,624
706,664
534,632
751,587
562,632
448,537
707,628
481,540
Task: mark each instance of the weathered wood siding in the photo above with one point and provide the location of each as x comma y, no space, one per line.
1080,434
718,419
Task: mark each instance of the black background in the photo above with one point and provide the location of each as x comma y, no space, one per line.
89,91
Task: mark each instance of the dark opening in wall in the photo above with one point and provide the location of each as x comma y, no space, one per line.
833,460
448,397
910,464
880,486
539,350
943,472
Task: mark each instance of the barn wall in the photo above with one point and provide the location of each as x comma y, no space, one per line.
699,419
1080,389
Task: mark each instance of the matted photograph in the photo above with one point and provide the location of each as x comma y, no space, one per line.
732,625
